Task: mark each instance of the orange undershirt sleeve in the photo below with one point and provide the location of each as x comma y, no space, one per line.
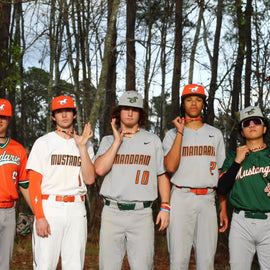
35,180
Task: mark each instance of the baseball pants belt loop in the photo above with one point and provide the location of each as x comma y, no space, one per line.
7,204
59,198
252,214
128,206
197,191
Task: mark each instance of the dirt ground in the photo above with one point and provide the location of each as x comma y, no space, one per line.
22,257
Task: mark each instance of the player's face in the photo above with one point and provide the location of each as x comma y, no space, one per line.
253,128
64,118
4,122
193,106
129,117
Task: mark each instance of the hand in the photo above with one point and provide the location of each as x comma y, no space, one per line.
86,135
163,218
43,227
224,221
179,123
241,153
117,136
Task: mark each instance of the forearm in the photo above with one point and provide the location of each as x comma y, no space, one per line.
87,167
104,163
25,193
35,180
227,179
164,188
172,159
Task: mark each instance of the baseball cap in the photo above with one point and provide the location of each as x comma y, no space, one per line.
131,99
62,102
5,107
193,89
250,112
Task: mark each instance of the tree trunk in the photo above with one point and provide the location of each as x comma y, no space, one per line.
101,89
195,42
5,13
237,84
214,66
177,58
131,52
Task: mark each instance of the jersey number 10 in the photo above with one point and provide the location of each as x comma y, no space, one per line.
144,179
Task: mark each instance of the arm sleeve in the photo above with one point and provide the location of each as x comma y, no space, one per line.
227,179
35,180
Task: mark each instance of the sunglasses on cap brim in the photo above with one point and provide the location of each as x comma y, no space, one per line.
255,121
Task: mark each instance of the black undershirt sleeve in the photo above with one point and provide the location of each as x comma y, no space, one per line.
226,181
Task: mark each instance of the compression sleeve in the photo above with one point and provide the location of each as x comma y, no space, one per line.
35,180
227,179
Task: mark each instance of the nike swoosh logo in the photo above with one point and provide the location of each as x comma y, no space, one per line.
146,142
211,136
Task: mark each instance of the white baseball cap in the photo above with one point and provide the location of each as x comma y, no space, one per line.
250,112
131,99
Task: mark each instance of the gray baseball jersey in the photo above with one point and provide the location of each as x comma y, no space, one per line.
202,154
133,176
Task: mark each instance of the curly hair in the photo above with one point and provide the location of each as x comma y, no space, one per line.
115,113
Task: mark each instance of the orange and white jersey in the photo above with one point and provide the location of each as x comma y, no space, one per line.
13,159
59,162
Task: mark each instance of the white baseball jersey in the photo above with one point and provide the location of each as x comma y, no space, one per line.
202,154
133,176
59,162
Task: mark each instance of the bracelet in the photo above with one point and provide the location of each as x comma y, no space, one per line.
165,203
180,132
164,209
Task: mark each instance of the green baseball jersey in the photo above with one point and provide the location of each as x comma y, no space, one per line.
251,190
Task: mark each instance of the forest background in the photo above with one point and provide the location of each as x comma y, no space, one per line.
94,50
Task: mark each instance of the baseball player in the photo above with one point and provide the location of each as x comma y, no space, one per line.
13,160
59,167
193,153
132,162
245,174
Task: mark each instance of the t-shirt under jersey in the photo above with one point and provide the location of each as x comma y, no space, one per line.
202,154
138,162
251,190
59,162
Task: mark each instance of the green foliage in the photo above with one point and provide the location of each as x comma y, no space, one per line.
12,68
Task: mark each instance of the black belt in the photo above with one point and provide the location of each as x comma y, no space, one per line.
127,206
252,214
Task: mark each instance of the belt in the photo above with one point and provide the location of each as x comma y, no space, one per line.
128,206
197,191
252,214
7,204
59,198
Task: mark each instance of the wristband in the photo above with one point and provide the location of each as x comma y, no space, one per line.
180,132
164,209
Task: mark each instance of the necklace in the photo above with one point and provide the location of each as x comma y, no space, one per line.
68,132
257,148
192,119
129,132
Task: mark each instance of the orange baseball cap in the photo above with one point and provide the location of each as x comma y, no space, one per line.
62,102
193,89
5,107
